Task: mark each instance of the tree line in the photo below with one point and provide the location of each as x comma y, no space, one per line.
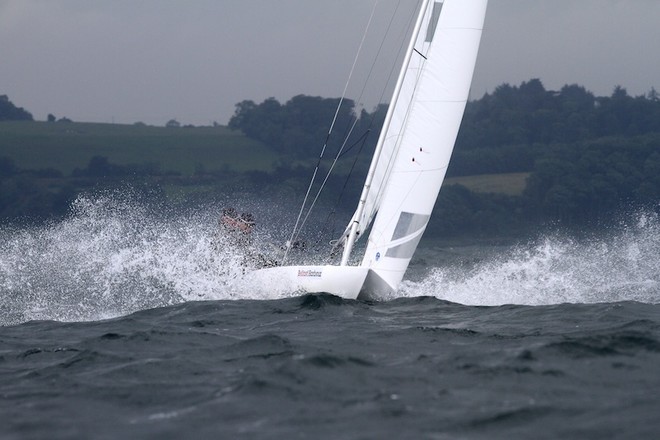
9,112
588,158
501,132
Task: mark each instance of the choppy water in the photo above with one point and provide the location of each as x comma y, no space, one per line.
123,322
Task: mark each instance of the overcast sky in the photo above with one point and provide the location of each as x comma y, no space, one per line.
193,60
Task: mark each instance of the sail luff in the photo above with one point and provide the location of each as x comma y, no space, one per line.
355,225
446,61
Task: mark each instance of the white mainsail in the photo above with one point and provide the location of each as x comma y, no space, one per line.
411,158
427,117
389,140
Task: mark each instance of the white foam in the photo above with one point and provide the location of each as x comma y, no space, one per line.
621,266
113,256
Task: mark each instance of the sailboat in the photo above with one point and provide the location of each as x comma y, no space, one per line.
409,162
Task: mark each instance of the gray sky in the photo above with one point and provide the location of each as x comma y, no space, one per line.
153,60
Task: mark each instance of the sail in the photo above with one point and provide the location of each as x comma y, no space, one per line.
410,160
389,140
421,136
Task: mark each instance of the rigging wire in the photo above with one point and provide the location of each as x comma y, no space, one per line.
392,71
311,183
325,181
342,149
353,229
362,141
299,226
406,115
372,119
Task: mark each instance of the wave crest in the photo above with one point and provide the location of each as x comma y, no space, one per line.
623,265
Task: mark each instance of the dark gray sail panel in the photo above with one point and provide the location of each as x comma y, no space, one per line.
433,24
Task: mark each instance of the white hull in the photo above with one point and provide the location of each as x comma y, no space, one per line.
343,281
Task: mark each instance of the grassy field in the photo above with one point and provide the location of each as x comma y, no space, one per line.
66,146
512,184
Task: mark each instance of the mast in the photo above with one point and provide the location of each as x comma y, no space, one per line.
439,94
381,140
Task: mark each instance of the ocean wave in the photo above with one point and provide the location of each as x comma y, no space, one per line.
115,255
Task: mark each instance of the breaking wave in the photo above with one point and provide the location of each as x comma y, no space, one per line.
114,255
622,265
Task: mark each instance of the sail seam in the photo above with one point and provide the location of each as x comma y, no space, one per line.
444,100
422,171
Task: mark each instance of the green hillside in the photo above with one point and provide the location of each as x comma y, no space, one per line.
65,146
525,156
511,184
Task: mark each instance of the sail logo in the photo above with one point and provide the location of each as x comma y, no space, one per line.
310,273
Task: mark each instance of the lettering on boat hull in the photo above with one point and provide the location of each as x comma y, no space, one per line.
310,273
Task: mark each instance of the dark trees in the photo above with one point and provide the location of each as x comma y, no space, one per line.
9,112
594,179
299,127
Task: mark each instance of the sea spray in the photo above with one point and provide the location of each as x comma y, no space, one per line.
618,265
115,254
